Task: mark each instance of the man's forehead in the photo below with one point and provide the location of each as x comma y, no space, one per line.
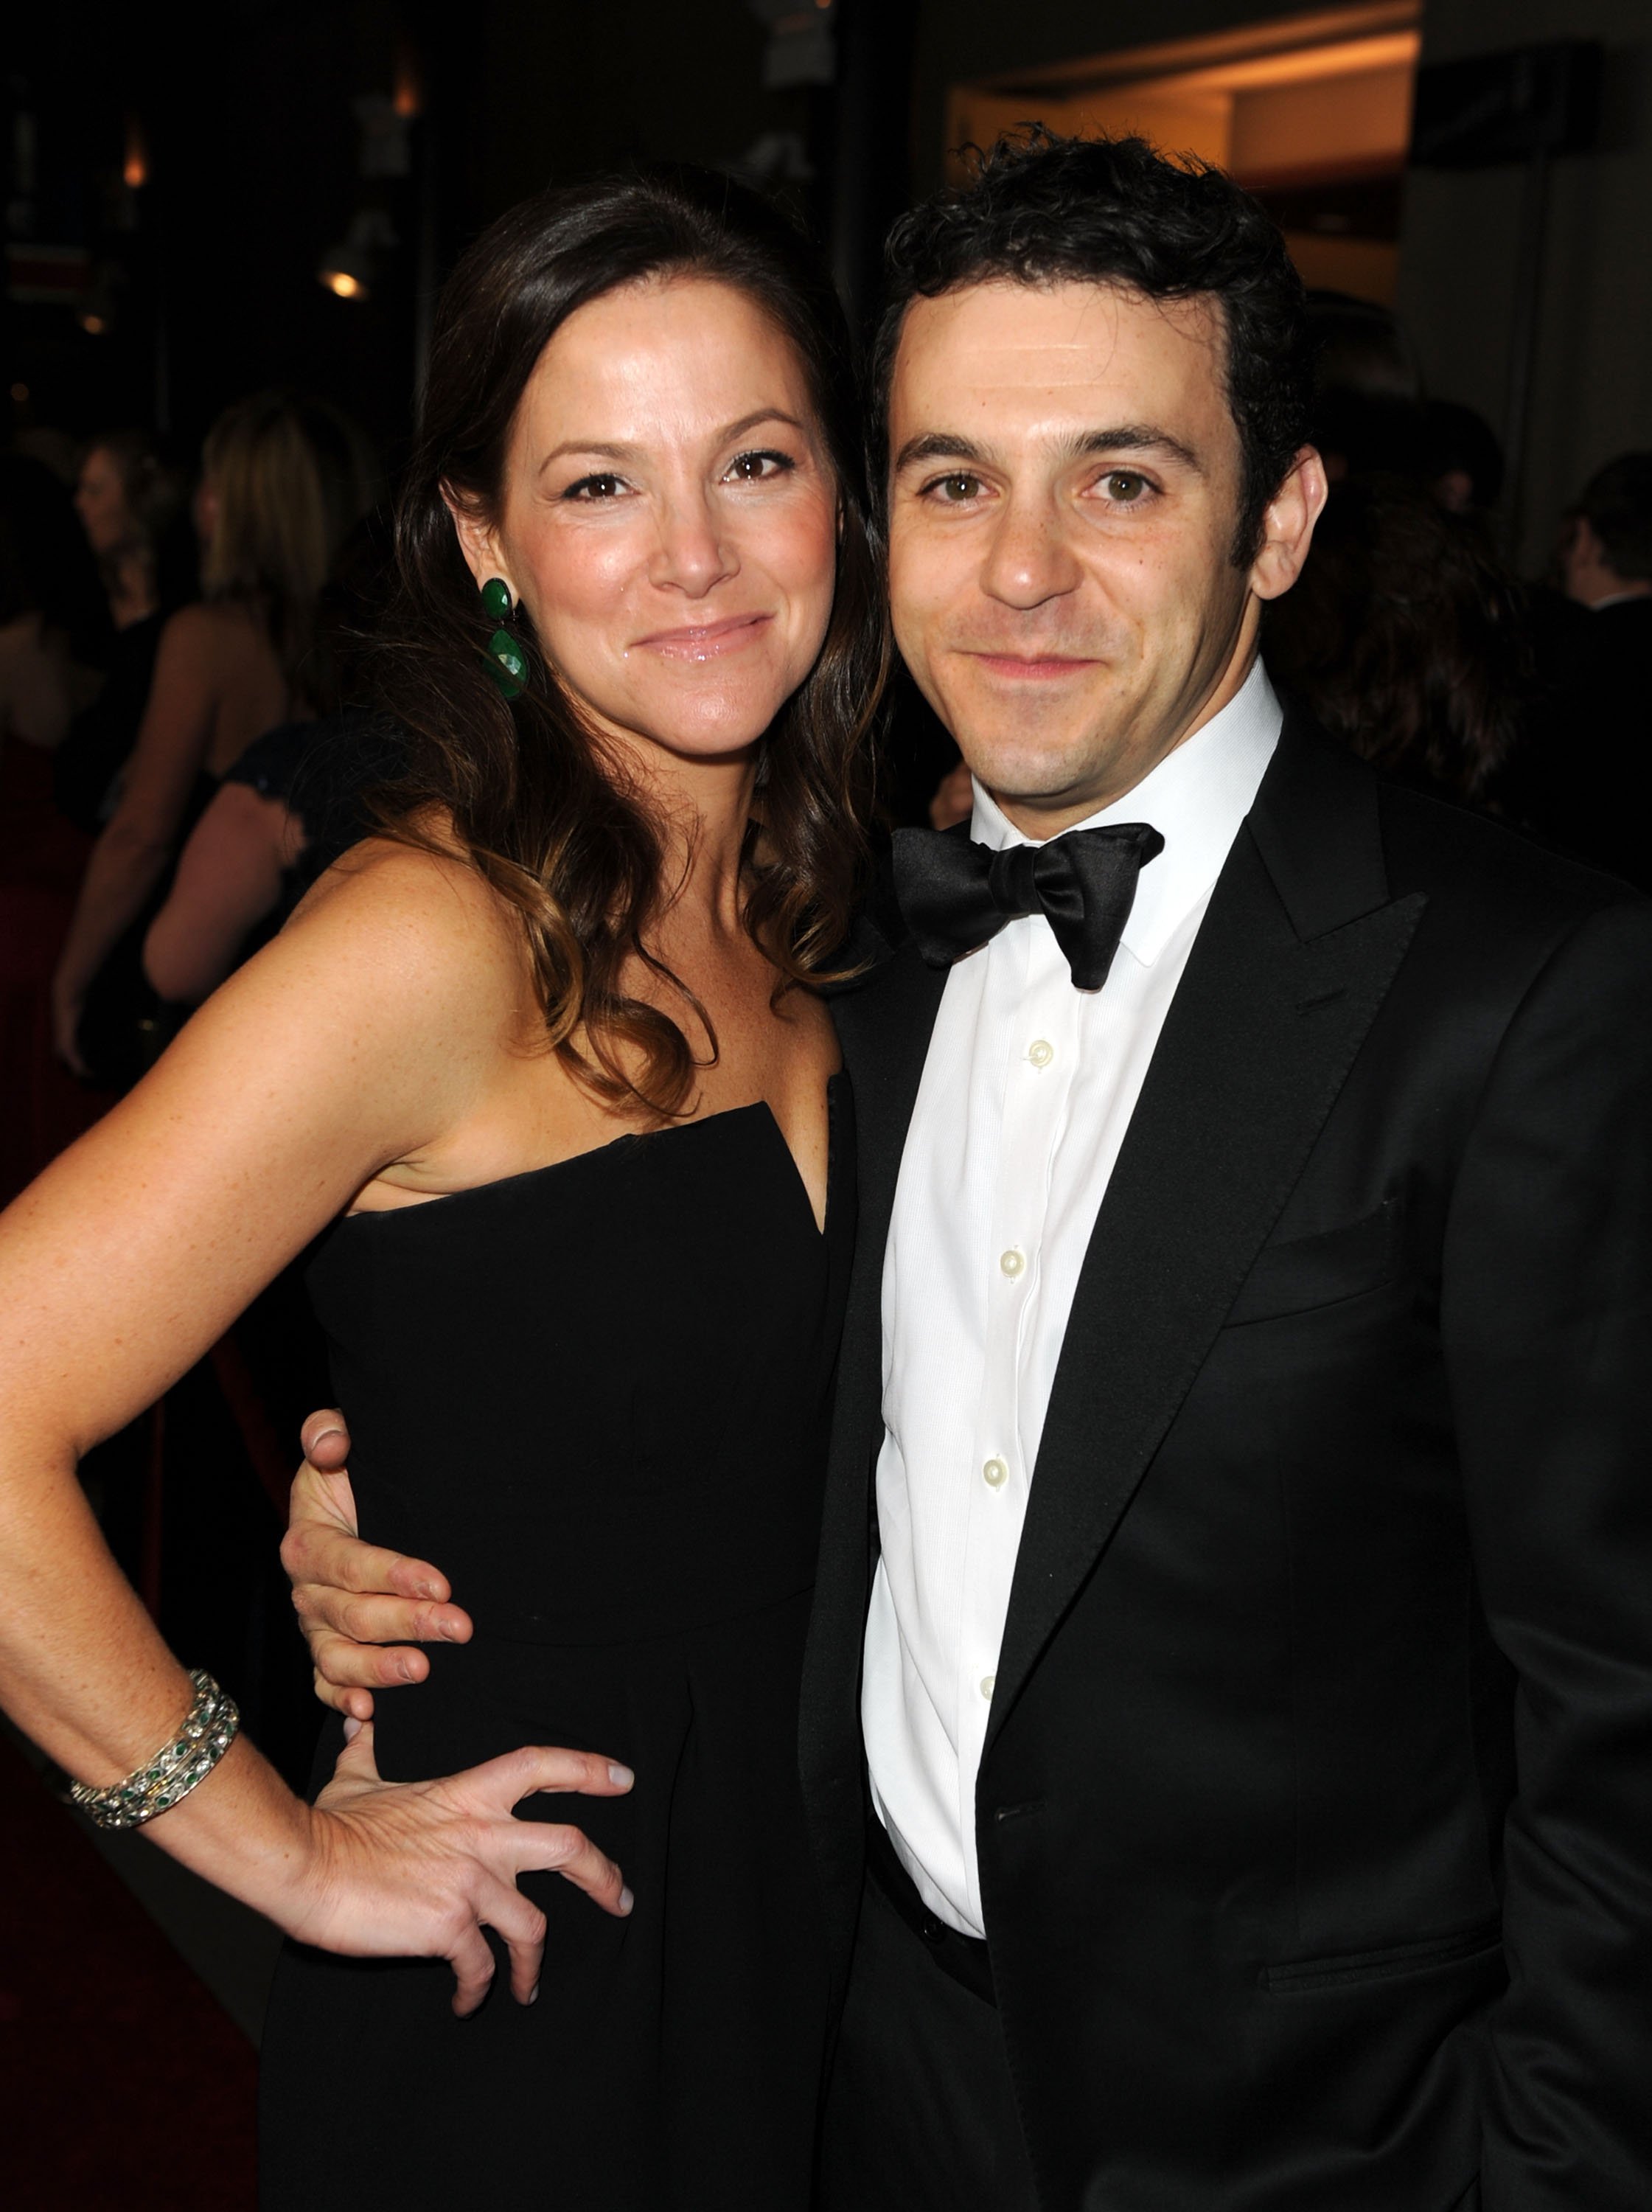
1000,334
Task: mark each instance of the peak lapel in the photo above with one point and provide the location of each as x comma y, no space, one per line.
1296,955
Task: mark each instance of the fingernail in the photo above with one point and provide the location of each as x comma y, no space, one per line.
533,1994
626,1900
322,1435
352,1728
621,1777
405,1668
424,1590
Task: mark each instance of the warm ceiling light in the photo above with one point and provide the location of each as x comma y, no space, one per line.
341,281
135,170
407,94
94,325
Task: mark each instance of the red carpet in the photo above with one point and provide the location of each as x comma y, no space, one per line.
122,2082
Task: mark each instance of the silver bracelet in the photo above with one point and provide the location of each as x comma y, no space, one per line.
209,1727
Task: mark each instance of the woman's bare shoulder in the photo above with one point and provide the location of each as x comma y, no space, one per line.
213,632
427,915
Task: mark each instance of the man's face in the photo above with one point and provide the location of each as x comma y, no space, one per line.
1065,486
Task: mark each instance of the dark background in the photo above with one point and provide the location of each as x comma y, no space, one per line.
251,147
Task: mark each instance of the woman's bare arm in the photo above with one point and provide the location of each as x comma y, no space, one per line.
126,1260
228,879
142,835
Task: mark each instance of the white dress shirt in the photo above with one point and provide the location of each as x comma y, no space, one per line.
1026,1094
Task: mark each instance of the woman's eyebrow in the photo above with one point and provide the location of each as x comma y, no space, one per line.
606,450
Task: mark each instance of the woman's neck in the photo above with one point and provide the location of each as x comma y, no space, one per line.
704,810
131,589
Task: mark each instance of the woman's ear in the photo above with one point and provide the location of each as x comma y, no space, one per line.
1288,526
477,540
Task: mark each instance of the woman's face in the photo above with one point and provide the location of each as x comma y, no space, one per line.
669,516
100,499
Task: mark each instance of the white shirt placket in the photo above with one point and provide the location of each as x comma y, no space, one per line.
1035,998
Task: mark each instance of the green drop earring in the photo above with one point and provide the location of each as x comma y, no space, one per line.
507,662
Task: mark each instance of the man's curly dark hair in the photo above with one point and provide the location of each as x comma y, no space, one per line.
1044,209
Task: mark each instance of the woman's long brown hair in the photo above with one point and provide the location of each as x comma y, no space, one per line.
531,798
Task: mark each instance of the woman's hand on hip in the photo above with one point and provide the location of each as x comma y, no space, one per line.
363,1610
419,1869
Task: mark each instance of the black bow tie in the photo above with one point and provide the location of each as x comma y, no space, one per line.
955,895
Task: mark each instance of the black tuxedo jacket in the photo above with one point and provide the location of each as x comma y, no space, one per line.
1315,1813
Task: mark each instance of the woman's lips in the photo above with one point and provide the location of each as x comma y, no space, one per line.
706,641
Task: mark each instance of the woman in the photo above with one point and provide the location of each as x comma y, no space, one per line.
54,633
578,1126
285,480
54,643
133,511
127,501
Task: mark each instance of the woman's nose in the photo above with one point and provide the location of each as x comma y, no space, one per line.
691,554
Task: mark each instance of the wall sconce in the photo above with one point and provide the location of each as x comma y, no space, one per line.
350,268
801,49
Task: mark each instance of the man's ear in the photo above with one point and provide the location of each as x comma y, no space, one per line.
477,541
1288,526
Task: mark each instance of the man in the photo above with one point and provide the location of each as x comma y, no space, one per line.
1592,644
1227,1723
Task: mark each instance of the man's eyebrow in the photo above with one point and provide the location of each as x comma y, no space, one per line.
1145,438
1133,438
603,449
940,446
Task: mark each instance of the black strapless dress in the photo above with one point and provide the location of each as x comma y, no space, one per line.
597,1396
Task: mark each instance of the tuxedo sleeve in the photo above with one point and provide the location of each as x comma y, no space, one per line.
1546,1312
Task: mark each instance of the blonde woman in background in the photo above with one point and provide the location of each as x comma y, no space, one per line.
284,480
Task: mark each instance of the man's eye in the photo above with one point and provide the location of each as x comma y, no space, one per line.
1124,486
759,468
594,487
957,487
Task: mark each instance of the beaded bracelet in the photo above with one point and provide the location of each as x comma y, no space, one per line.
209,1727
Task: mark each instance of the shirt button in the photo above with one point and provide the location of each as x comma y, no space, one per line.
1012,1262
987,1682
995,1474
1041,1053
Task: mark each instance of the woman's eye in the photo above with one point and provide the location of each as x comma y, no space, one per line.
1124,487
594,487
759,468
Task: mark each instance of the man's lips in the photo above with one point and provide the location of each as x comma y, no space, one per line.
706,641
1031,667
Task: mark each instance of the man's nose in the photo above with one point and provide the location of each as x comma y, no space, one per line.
691,554
1028,559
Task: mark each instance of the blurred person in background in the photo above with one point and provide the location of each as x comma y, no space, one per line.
55,641
241,872
1606,556
285,480
127,499
134,511
1596,645
54,626
300,787
1403,638
1460,458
